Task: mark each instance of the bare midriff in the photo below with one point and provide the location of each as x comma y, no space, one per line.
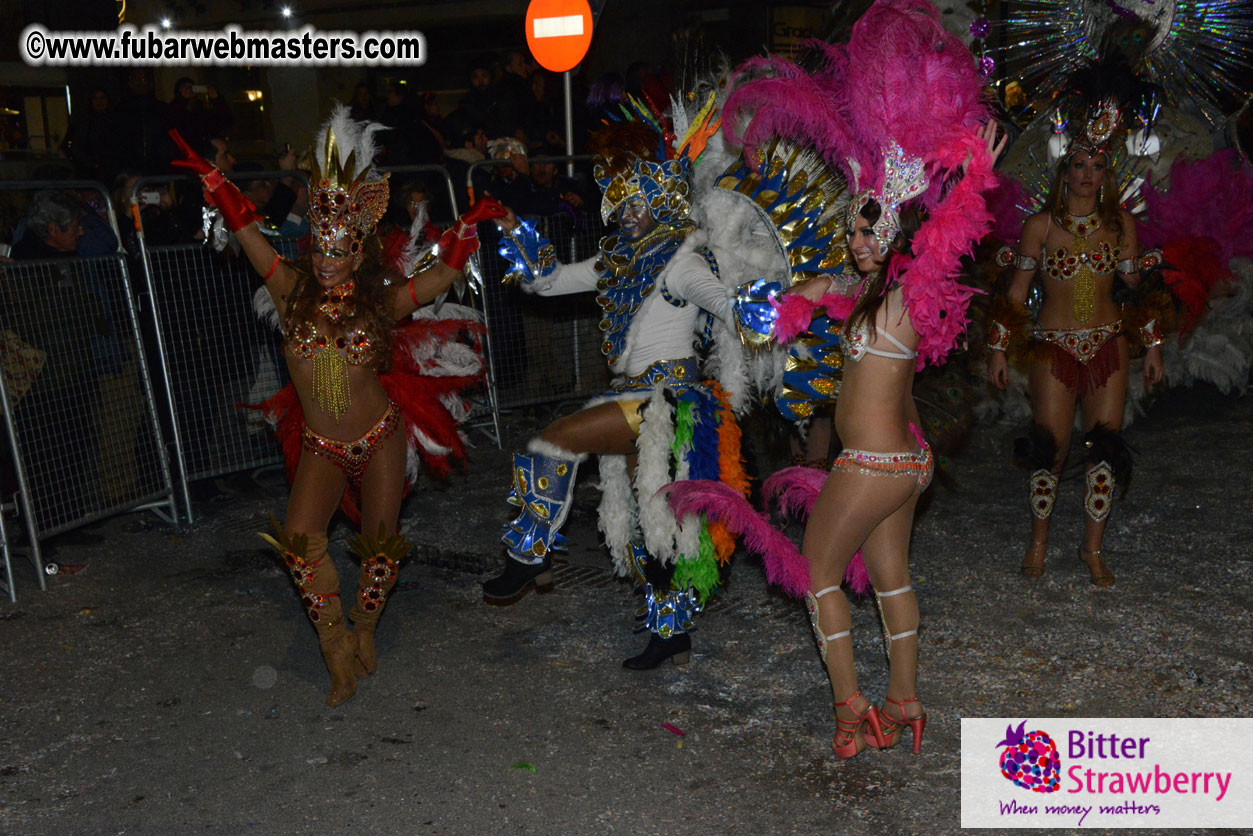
876,402
368,399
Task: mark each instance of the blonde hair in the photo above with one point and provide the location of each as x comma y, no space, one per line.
1108,204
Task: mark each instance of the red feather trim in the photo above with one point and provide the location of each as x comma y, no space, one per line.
1197,267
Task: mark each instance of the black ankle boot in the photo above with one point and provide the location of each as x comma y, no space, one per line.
517,580
677,649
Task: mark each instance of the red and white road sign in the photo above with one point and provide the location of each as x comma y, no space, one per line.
558,32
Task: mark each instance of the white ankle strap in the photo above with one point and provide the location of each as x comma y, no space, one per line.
822,592
907,633
835,636
906,588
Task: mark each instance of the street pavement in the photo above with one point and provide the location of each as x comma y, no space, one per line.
174,685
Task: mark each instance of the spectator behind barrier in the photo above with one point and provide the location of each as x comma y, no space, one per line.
467,144
156,204
274,199
68,321
141,122
480,106
407,141
551,193
94,141
362,103
53,226
515,103
195,118
432,118
545,125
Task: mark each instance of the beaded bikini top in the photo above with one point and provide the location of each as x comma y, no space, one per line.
1082,263
307,342
332,352
1064,264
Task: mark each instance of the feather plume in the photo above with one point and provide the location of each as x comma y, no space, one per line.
617,513
263,305
1106,445
784,564
655,458
794,490
1037,450
414,245
354,140
1209,198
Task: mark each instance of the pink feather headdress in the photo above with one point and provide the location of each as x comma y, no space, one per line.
901,92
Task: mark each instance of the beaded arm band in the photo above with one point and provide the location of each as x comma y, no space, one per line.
1008,257
1151,259
998,336
1148,260
1151,333
1008,326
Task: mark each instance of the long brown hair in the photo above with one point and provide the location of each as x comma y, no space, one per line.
872,295
373,311
1108,204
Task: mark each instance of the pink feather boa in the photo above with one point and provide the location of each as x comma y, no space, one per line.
1210,198
936,302
785,565
795,490
795,312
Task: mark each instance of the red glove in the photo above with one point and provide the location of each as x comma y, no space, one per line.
237,210
462,238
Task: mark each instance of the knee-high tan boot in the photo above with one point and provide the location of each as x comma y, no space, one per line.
379,558
311,568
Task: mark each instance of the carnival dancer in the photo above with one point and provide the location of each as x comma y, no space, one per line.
1079,347
917,163
657,286
355,381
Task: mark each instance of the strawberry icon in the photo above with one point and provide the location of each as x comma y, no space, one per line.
1030,760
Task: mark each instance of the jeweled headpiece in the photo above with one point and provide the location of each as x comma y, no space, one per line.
348,197
904,178
1098,130
901,80
665,186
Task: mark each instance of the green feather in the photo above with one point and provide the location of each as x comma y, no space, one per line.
700,572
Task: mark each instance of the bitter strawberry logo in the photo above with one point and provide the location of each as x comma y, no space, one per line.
1030,759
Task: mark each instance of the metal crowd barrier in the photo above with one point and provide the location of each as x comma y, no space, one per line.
77,400
213,352
542,350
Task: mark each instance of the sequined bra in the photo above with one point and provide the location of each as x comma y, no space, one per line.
331,356
1064,264
307,342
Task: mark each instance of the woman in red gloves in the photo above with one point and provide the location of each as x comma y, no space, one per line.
339,316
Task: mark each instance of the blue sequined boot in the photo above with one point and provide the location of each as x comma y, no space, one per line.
543,487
